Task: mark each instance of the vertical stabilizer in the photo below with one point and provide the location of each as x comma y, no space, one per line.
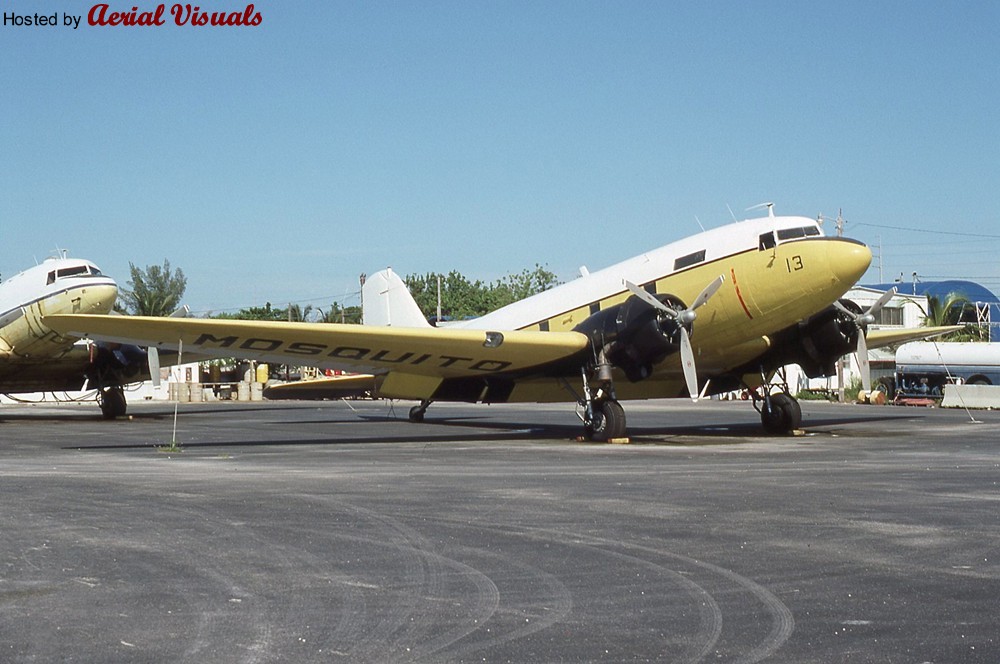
386,301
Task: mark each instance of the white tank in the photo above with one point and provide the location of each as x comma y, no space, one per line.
952,354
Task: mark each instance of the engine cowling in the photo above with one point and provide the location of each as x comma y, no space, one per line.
816,343
115,364
634,336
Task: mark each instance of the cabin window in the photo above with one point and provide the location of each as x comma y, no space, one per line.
689,260
52,278
766,241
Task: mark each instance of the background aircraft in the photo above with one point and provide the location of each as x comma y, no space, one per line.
36,358
711,313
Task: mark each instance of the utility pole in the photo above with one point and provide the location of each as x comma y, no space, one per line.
439,300
288,369
841,396
880,280
362,279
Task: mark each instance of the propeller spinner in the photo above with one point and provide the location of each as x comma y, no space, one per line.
862,321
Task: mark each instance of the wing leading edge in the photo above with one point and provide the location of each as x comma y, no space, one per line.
432,352
892,337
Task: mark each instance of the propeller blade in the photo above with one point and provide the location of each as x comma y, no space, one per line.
841,308
864,366
687,365
649,299
709,291
862,321
886,296
153,357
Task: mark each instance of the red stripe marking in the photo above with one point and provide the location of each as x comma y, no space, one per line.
736,284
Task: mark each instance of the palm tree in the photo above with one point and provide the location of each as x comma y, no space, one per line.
951,310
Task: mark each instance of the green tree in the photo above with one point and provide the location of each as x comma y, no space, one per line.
524,284
298,314
954,309
335,314
267,312
153,291
339,314
462,298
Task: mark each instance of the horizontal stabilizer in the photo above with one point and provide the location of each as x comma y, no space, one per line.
328,387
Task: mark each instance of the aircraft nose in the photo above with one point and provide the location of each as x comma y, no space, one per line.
849,260
99,299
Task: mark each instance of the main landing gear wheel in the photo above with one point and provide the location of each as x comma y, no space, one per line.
781,414
417,412
112,402
608,421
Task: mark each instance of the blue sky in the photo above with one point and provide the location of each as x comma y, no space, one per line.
278,162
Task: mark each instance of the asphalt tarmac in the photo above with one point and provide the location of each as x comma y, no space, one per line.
340,532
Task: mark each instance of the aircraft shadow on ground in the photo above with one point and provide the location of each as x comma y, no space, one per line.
165,413
473,429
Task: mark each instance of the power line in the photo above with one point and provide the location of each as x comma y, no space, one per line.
923,230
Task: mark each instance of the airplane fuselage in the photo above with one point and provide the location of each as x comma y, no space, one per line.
778,271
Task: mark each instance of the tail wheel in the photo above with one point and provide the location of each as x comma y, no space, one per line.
781,414
112,402
417,412
608,422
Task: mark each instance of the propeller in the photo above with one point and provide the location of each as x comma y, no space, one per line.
153,357
684,317
862,321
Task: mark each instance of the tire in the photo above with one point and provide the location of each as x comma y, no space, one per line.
609,422
112,402
417,414
783,417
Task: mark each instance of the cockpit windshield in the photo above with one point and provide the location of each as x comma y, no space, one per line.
793,233
767,240
72,271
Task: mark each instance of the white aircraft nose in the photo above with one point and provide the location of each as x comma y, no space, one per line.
98,299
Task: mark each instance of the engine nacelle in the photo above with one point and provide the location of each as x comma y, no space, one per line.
816,343
633,335
116,364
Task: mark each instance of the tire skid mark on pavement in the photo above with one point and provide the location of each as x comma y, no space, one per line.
782,623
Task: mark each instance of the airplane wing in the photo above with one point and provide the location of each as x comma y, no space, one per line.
430,352
892,337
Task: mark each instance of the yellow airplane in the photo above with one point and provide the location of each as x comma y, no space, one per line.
711,313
